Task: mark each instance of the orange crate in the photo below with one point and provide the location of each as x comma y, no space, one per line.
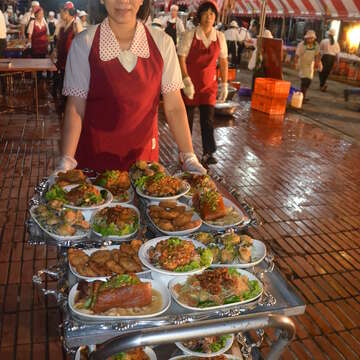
231,74
268,105
272,87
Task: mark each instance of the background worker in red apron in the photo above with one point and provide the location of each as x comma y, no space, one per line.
198,52
173,25
115,73
38,34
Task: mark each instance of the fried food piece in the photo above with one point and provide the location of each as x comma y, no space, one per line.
114,267
136,244
204,237
227,255
83,224
129,264
66,230
99,269
100,256
168,214
184,218
77,257
216,253
73,176
55,204
165,225
245,253
210,204
230,239
167,204
53,220
85,270
141,164
191,225
127,249
70,216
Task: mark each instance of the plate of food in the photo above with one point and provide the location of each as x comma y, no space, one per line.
173,218
145,168
146,353
160,187
120,297
219,357
171,255
61,223
101,264
118,183
215,289
207,347
117,222
69,177
233,250
216,211
80,196
196,181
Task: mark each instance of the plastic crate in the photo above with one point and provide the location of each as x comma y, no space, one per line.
272,87
268,105
231,74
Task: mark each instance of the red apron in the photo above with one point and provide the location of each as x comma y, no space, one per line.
39,41
120,122
63,45
201,67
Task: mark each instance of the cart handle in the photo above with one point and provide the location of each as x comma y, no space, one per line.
171,334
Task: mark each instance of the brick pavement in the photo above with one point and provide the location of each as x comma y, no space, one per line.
303,182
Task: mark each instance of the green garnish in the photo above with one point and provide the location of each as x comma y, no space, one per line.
87,303
233,271
112,229
211,197
232,299
254,290
189,267
206,303
206,257
220,344
119,356
140,182
173,241
119,281
55,193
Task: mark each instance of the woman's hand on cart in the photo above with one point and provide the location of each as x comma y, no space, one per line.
189,89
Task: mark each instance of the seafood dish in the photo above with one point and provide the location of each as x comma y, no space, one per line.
119,260
197,182
83,195
57,220
178,255
216,288
143,168
146,353
218,357
120,296
170,216
117,220
74,176
117,182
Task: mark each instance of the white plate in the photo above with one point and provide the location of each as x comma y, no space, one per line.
228,203
108,200
225,105
103,278
116,237
180,232
188,357
187,351
157,198
166,299
147,350
258,253
59,237
131,194
144,257
182,280
179,176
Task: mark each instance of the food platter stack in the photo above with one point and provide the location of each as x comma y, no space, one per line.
144,245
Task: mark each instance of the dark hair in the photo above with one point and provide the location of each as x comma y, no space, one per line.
72,11
332,40
144,11
205,7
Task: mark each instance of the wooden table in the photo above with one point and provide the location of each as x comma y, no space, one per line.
28,65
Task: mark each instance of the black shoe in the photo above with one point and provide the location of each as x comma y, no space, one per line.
209,159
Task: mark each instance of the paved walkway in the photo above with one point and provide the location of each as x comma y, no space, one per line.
302,180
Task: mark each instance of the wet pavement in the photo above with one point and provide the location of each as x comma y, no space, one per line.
302,179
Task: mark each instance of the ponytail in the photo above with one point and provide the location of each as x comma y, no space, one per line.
332,40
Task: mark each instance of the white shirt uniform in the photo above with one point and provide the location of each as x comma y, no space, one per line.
232,34
187,39
327,49
39,25
77,75
2,26
179,24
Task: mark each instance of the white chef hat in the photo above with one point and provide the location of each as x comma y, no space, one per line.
35,3
332,32
174,7
10,8
267,34
234,24
82,13
51,13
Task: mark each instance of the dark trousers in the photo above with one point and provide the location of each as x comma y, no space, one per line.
2,50
57,90
206,125
328,63
305,84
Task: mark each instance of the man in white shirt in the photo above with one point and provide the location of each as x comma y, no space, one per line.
2,34
173,24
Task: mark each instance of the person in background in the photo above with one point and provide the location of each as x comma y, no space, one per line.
27,18
307,58
10,17
115,73
83,17
2,34
232,37
157,24
199,51
52,21
329,50
190,22
253,43
173,24
38,34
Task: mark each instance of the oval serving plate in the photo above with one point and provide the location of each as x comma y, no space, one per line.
116,237
108,200
228,203
166,299
258,253
144,257
147,350
187,351
182,280
103,278
175,233
158,198
86,214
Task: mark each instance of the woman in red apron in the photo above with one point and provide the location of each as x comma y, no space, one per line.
38,34
199,51
115,73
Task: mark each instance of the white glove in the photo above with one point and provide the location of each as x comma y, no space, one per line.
191,163
223,92
65,163
189,89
